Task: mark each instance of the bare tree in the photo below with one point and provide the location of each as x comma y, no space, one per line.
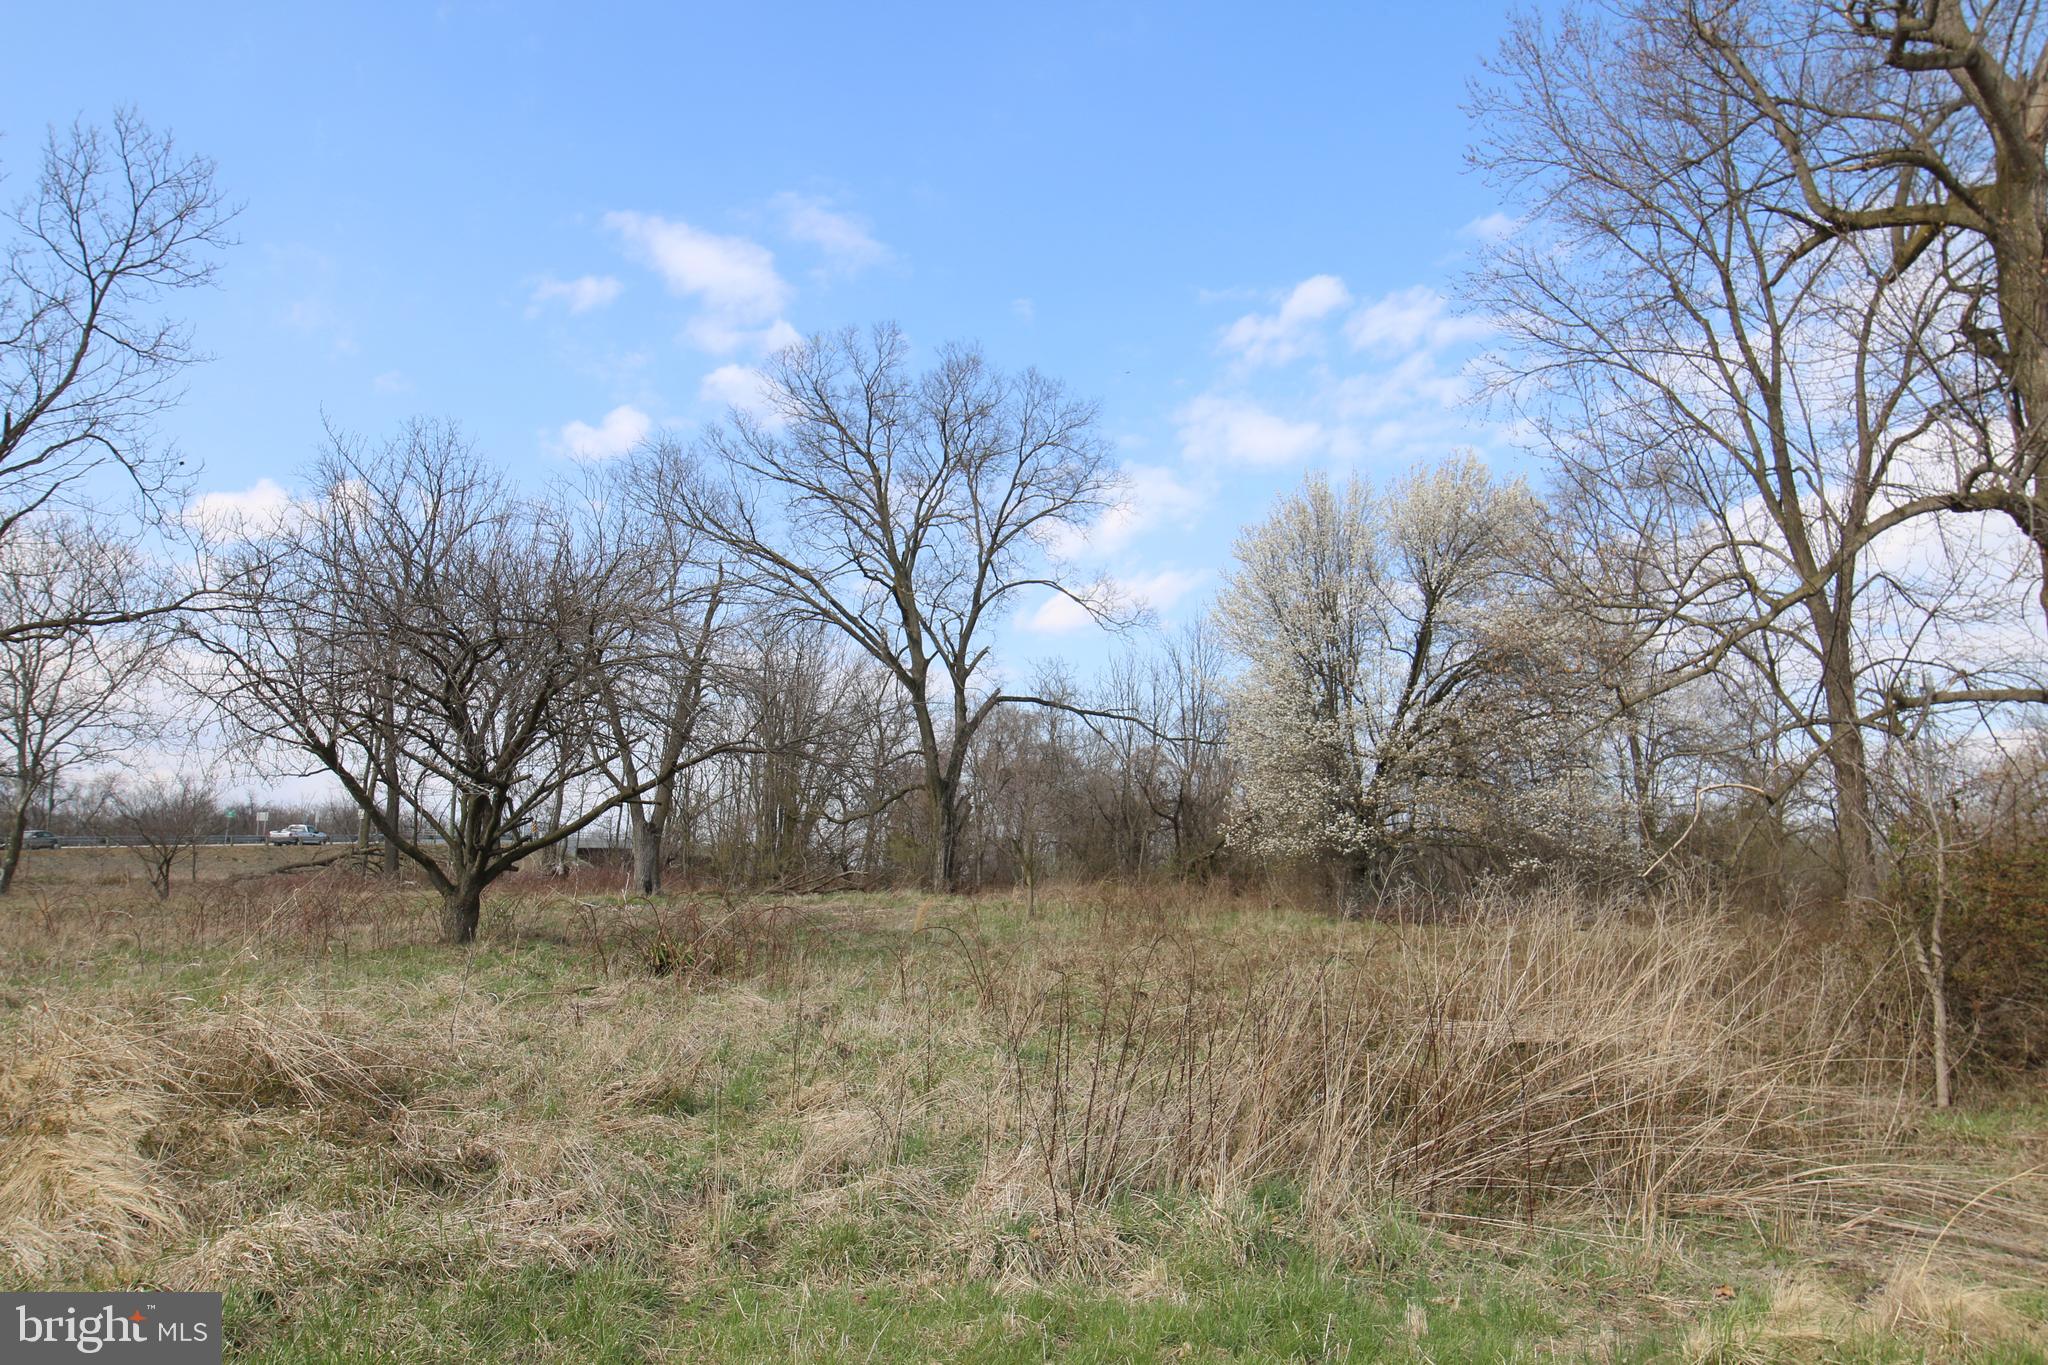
909,513
661,703
1739,427
1190,787
161,817
421,620
1021,775
68,695
1919,127
116,220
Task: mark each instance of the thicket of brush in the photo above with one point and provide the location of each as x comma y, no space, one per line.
704,1085
1533,1058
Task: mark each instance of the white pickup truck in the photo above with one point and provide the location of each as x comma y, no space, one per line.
297,834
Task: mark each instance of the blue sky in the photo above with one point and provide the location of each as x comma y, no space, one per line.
1234,226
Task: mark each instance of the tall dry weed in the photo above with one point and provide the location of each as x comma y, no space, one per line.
1494,1069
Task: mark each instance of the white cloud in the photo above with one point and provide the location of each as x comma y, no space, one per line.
737,386
732,278
845,239
391,381
1417,380
1490,227
1060,614
1025,309
1219,430
1290,333
1284,397
261,504
1152,495
719,336
581,294
1160,591
1418,316
619,431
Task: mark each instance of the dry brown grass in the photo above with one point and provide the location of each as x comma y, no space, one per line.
100,1107
1920,1304
1495,1070
1807,1320
985,1095
77,1107
254,1052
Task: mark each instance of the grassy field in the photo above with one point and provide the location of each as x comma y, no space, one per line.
115,871
1139,1125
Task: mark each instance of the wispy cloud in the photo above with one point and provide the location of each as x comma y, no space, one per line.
1416,317
844,239
580,295
617,432
227,511
737,386
1059,614
1490,227
1153,495
733,279
1292,331
1328,375
1218,429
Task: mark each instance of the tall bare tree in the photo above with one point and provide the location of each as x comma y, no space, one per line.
1189,788
907,511
660,703
1920,128
1738,419
116,220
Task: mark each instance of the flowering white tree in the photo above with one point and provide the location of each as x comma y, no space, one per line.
1373,624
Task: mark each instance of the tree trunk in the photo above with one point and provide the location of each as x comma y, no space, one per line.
647,838
945,802
1855,830
1353,881
2020,247
558,852
390,756
1941,1058
462,907
363,822
1932,960
10,862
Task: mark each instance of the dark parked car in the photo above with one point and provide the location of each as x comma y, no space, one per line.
38,838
